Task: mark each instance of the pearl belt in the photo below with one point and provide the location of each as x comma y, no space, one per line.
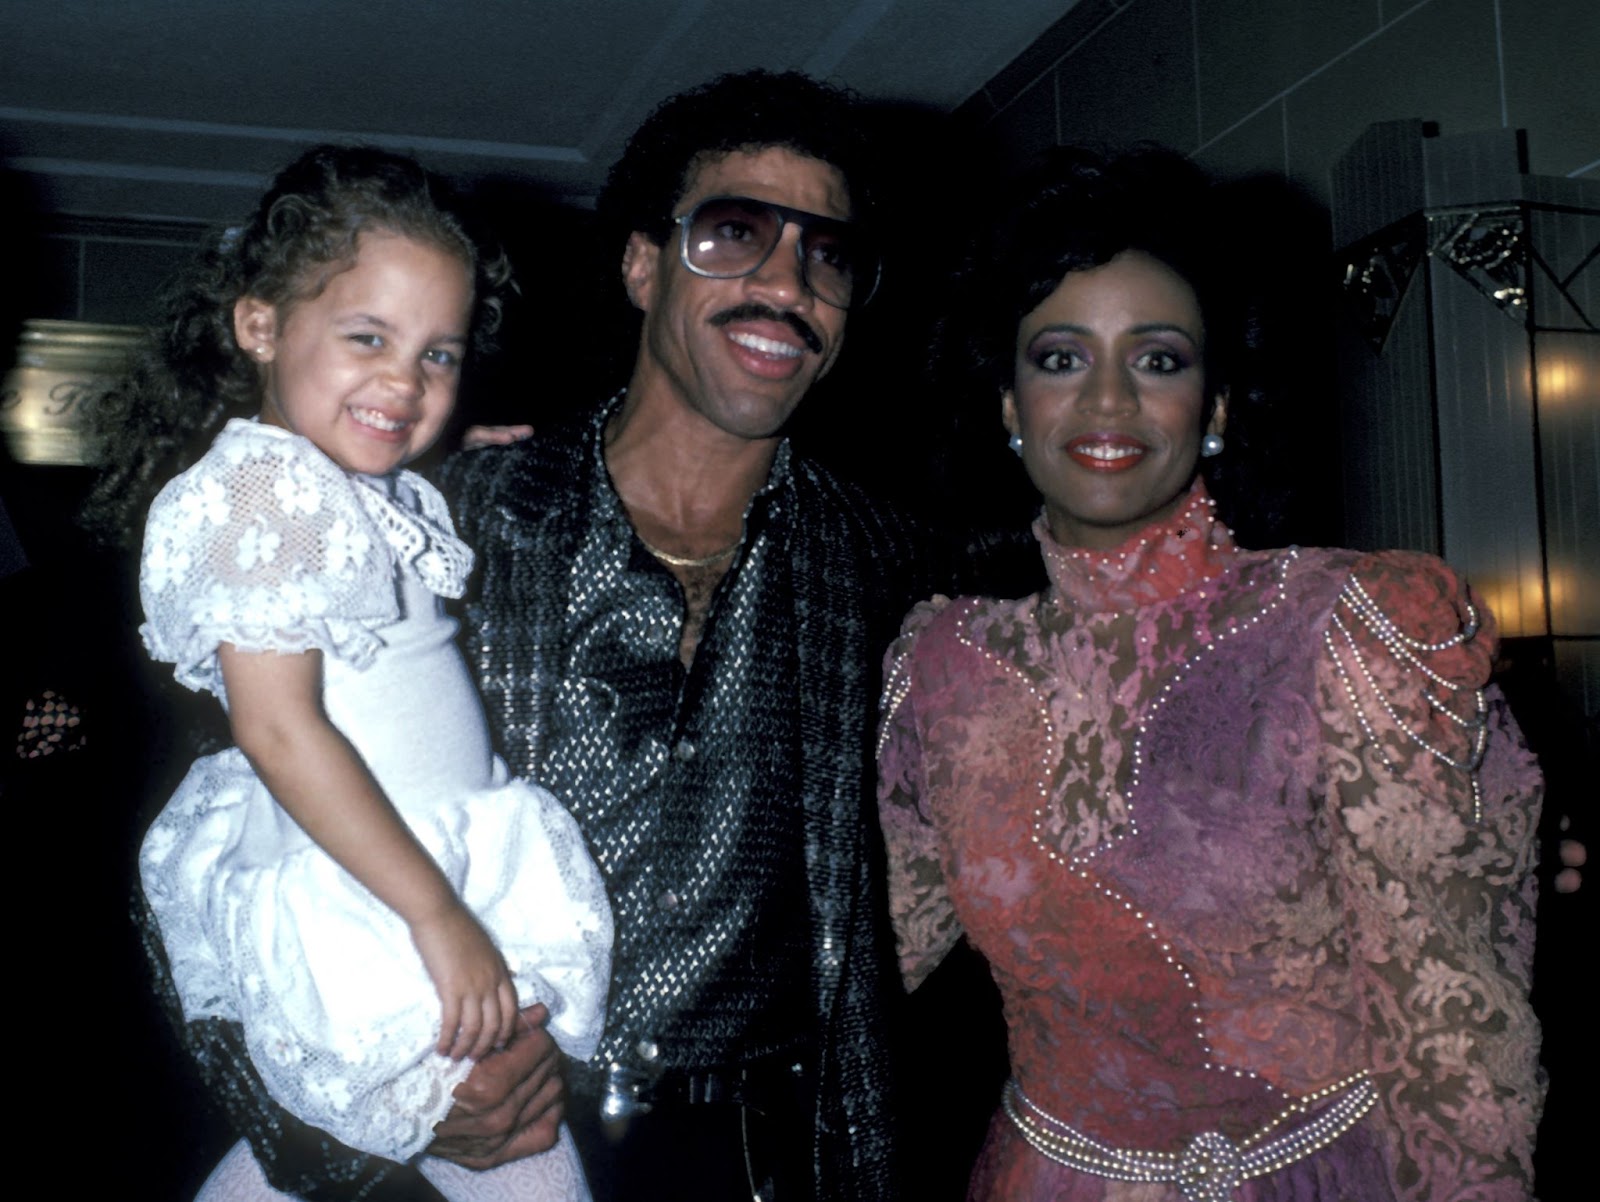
1212,1166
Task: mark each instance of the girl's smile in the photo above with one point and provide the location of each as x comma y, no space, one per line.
367,368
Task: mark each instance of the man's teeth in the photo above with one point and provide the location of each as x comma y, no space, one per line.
1107,451
371,417
766,346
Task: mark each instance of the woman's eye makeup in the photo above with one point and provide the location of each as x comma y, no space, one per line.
1057,357
1162,360
1054,354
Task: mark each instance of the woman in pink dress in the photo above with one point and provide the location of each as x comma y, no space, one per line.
1244,836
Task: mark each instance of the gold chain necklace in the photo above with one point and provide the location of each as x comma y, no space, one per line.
685,561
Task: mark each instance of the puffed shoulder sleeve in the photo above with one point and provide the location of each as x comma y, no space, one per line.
265,544
924,919
1434,800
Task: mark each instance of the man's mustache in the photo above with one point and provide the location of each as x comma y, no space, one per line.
754,311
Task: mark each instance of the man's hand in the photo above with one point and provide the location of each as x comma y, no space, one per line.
510,1105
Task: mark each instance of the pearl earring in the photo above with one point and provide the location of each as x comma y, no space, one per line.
1016,443
1211,445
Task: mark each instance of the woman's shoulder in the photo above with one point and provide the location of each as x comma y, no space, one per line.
1400,603
941,616
940,637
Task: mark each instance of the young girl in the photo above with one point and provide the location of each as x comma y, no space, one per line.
355,882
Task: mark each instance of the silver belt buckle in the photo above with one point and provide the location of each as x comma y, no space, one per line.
1210,1169
624,1094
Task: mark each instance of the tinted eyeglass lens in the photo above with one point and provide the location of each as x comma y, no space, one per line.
830,262
730,237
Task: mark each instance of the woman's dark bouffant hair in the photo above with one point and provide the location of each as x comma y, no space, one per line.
1080,210
194,376
752,109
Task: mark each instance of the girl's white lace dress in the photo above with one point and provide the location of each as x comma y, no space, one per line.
266,544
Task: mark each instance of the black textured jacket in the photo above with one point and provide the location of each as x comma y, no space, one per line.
855,569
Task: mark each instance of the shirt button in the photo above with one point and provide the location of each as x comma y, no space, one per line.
684,751
668,900
649,1050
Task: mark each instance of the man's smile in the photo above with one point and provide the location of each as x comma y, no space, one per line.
752,311
766,346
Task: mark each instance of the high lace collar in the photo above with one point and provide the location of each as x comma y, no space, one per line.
1164,560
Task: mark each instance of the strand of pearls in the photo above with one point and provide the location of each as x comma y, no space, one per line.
1211,1167
1405,651
894,695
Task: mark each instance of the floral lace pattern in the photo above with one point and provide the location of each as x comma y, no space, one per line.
266,544
1206,886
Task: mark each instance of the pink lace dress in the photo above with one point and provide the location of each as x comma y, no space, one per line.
1211,816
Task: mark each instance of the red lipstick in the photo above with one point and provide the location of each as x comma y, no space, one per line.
1106,452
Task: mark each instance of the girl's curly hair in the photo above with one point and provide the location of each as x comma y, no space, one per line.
194,376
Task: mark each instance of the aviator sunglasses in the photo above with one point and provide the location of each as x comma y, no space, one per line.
725,237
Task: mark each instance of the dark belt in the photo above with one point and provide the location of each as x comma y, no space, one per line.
771,1085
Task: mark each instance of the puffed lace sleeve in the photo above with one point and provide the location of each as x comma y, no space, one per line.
1434,800
265,544
925,924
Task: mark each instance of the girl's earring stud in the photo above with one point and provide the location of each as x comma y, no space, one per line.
1016,443
1211,445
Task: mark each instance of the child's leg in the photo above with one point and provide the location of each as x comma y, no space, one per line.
554,1176
238,1178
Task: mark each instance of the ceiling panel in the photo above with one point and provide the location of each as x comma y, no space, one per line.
183,107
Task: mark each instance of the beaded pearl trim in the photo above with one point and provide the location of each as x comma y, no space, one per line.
1408,653
1211,1167
894,694
1077,863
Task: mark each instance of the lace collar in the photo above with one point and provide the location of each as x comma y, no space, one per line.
1163,561
412,517
415,521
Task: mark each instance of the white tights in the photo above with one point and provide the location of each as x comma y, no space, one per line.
554,1176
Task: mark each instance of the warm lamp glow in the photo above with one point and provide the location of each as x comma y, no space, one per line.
1516,602
1561,379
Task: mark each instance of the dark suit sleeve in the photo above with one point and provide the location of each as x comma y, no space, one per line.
465,479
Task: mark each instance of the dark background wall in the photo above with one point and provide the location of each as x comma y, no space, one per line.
1288,85
1247,86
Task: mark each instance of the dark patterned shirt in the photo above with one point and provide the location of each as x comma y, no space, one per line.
727,804
685,782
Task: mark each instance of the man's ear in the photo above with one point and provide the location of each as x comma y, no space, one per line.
1219,413
255,325
641,259
1008,412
